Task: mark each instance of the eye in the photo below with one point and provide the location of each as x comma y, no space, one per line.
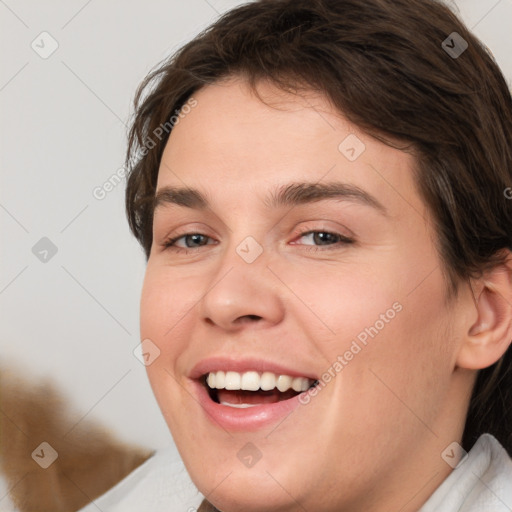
324,238
315,240
187,241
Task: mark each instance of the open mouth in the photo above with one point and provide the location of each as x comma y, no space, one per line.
249,389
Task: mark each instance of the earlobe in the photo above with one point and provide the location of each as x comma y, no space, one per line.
490,335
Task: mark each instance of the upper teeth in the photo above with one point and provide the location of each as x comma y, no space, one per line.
253,381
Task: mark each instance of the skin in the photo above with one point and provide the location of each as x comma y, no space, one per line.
372,438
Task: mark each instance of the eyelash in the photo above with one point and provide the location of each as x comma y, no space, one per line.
342,240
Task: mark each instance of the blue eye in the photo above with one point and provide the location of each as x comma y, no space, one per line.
195,239
317,240
324,238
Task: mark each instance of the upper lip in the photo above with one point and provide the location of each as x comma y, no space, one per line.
226,364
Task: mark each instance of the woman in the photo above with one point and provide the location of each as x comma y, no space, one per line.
320,187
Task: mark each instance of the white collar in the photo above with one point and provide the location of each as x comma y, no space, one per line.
481,483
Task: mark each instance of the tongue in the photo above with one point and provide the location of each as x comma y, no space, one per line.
253,397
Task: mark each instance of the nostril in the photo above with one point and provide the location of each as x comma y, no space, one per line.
247,318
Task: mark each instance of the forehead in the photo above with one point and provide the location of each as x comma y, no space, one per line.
238,143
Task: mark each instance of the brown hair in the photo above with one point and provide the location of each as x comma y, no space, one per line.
383,64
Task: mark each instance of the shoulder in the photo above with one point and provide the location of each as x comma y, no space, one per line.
482,481
159,484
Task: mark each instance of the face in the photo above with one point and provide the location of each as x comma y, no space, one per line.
295,294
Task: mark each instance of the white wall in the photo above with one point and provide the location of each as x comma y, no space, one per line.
75,317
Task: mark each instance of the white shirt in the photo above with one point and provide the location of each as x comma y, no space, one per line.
6,504
482,483
161,483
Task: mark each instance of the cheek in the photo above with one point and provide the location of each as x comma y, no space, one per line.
165,302
397,381
383,333
166,310
164,305
339,303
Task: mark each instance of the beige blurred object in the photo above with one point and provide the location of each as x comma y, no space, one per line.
90,460
206,507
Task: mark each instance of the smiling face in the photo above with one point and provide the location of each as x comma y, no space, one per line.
285,256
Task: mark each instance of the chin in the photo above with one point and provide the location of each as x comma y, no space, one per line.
245,491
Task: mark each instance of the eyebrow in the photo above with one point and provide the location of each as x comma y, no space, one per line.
293,194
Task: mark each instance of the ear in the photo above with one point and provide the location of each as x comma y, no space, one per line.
490,335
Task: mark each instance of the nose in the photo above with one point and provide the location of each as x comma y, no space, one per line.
242,294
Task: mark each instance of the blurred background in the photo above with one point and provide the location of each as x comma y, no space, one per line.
71,273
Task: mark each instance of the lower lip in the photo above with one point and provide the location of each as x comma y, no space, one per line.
248,419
